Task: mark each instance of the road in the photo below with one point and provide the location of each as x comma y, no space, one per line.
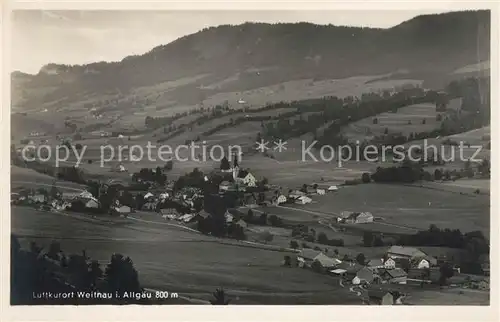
47,185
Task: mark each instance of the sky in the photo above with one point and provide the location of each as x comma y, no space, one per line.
81,37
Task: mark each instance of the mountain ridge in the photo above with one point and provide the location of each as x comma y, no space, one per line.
429,44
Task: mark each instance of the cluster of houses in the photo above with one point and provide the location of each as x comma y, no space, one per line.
350,217
184,198
172,214
241,180
419,268
60,202
303,196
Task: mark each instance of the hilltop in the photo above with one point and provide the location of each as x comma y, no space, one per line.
228,59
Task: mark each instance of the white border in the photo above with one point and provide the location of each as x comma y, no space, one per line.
243,313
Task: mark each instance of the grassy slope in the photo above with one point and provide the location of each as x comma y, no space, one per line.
177,261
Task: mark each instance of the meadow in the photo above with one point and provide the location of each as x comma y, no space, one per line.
410,206
398,122
174,260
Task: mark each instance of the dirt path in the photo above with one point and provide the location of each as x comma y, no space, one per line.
47,185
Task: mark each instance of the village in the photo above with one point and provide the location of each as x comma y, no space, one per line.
198,202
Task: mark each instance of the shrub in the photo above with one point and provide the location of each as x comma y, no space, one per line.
294,244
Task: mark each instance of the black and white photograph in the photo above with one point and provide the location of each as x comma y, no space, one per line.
250,157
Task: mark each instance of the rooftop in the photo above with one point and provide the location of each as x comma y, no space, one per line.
406,251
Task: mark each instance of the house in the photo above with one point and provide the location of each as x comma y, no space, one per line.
486,268
320,192
306,256
356,217
38,198
404,252
227,170
250,200
423,262
186,218
229,217
60,205
121,210
303,200
169,213
148,196
119,168
425,275
85,194
344,215
364,275
350,269
333,188
364,217
14,197
249,180
395,276
338,271
281,199
149,206
326,261
296,194
224,185
241,223
91,203
244,177
381,297
380,263
201,215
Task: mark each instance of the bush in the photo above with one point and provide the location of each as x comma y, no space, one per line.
365,178
317,267
294,244
361,259
353,182
275,221
322,239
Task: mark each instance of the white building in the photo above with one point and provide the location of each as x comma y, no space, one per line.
92,203
148,195
229,217
303,200
85,194
281,199
224,186
320,191
249,180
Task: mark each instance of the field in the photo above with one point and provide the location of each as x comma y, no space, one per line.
177,261
166,105
306,89
27,178
395,122
412,207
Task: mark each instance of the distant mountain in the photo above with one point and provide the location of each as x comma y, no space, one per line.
236,58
